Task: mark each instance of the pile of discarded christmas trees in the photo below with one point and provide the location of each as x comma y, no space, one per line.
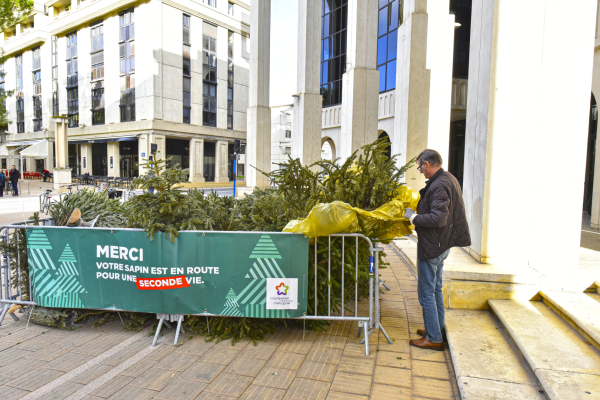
366,193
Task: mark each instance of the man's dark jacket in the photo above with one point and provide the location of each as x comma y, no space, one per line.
441,222
15,175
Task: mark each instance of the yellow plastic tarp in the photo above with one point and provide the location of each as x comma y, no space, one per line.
386,222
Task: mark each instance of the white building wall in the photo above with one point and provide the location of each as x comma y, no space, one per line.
46,53
84,61
112,92
172,73
222,50
241,65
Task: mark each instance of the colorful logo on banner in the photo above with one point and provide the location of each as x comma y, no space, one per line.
100,269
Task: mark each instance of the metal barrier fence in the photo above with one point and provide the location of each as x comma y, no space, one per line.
369,322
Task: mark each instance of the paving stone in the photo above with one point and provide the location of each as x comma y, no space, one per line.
13,354
432,388
69,361
393,359
306,389
15,369
399,346
230,385
286,360
392,376
118,358
164,350
300,334
155,379
358,350
202,372
261,351
176,361
219,356
345,396
386,392
139,367
245,366
133,393
63,391
357,365
34,379
277,337
330,341
112,386
78,338
214,396
228,344
92,374
275,377
37,343
12,393
325,355
427,355
430,369
181,389
488,389
338,328
51,353
21,335
256,392
197,346
352,383
95,347
317,370
291,345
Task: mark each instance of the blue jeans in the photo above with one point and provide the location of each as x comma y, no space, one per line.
15,186
429,288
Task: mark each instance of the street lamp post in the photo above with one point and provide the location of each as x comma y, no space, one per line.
61,172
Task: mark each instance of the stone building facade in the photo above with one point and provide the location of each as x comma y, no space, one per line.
128,74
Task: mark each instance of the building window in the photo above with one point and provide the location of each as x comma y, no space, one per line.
288,134
72,81
2,89
37,113
19,94
209,77
187,72
97,76
288,150
333,50
390,18
212,3
54,49
127,53
230,8
230,82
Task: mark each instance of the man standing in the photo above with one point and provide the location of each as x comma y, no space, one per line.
441,223
15,175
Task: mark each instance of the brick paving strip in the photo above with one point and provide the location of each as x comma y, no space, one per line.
36,394
106,362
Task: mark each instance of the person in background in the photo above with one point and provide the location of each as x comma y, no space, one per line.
2,183
441,224
15,175
45,174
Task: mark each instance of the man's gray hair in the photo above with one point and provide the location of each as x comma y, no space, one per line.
431,156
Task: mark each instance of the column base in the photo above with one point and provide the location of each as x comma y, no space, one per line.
61,177
197,179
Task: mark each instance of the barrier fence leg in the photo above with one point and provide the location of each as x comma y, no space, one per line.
160,322
365,328
4,311
179,321
377,305
384,285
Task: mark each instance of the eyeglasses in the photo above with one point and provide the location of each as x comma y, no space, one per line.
419,168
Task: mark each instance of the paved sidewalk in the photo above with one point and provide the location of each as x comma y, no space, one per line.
106,362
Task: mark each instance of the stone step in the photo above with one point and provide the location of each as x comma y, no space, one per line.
597,287
486,363
579,310
564,364
594,296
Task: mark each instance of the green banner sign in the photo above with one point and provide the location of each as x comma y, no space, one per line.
235,274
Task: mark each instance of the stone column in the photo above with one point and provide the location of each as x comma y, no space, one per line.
258,149
144,148
221,162
113,151
517,205
86,159
197,161
360,91
423,83
62,172
306,131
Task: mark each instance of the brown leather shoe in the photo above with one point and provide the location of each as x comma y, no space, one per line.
421,331
424,343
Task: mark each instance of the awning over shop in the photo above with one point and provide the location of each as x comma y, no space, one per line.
4,151
38,150
117,139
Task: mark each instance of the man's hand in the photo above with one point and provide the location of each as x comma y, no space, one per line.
410,214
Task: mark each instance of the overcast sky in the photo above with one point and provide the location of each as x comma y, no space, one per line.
284,30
